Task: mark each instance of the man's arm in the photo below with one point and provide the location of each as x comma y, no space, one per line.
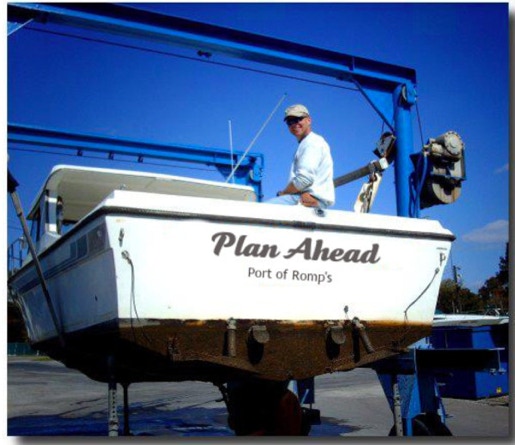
290,189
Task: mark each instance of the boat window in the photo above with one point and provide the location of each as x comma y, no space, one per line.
59,214
35,228
44,209
62,225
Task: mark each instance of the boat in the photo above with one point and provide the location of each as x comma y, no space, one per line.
184,279
475,338
468,320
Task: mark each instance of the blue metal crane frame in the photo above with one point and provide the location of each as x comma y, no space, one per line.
249,171
390,89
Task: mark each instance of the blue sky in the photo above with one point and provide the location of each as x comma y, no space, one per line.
460,53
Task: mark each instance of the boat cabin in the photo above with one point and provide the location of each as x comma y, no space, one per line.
71,192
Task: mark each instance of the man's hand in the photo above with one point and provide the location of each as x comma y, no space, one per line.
307,200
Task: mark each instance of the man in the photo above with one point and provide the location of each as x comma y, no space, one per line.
311,173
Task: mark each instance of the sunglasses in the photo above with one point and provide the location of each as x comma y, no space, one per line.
294,120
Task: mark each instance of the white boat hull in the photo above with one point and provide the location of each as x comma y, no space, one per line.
172,274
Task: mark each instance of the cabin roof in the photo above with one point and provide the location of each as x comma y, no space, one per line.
83,188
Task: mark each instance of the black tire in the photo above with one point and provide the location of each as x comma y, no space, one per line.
435,425
426,425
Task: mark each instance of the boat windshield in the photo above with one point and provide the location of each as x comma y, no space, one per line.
78,190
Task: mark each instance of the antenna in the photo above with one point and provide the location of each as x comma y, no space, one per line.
230,147
255,137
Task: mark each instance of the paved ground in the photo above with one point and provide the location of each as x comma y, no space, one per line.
47,399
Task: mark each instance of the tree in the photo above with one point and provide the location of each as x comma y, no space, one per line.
504,267
447,296
456,299
470,303
495,291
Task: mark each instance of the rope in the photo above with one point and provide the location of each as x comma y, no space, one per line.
416,187
126,256
407,327
419,124
417,181
420,296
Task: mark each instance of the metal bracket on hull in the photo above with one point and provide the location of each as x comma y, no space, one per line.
257,338
231,338
336,335
359,334
335,338
259,334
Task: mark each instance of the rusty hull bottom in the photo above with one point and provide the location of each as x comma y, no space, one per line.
218,351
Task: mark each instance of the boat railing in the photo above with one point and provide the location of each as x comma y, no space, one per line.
16,254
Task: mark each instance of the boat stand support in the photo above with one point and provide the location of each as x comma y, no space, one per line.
413,396
112,401
410,384
112,410
397,408
126,426
112,406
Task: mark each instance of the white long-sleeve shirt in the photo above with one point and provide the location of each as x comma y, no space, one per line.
312,168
